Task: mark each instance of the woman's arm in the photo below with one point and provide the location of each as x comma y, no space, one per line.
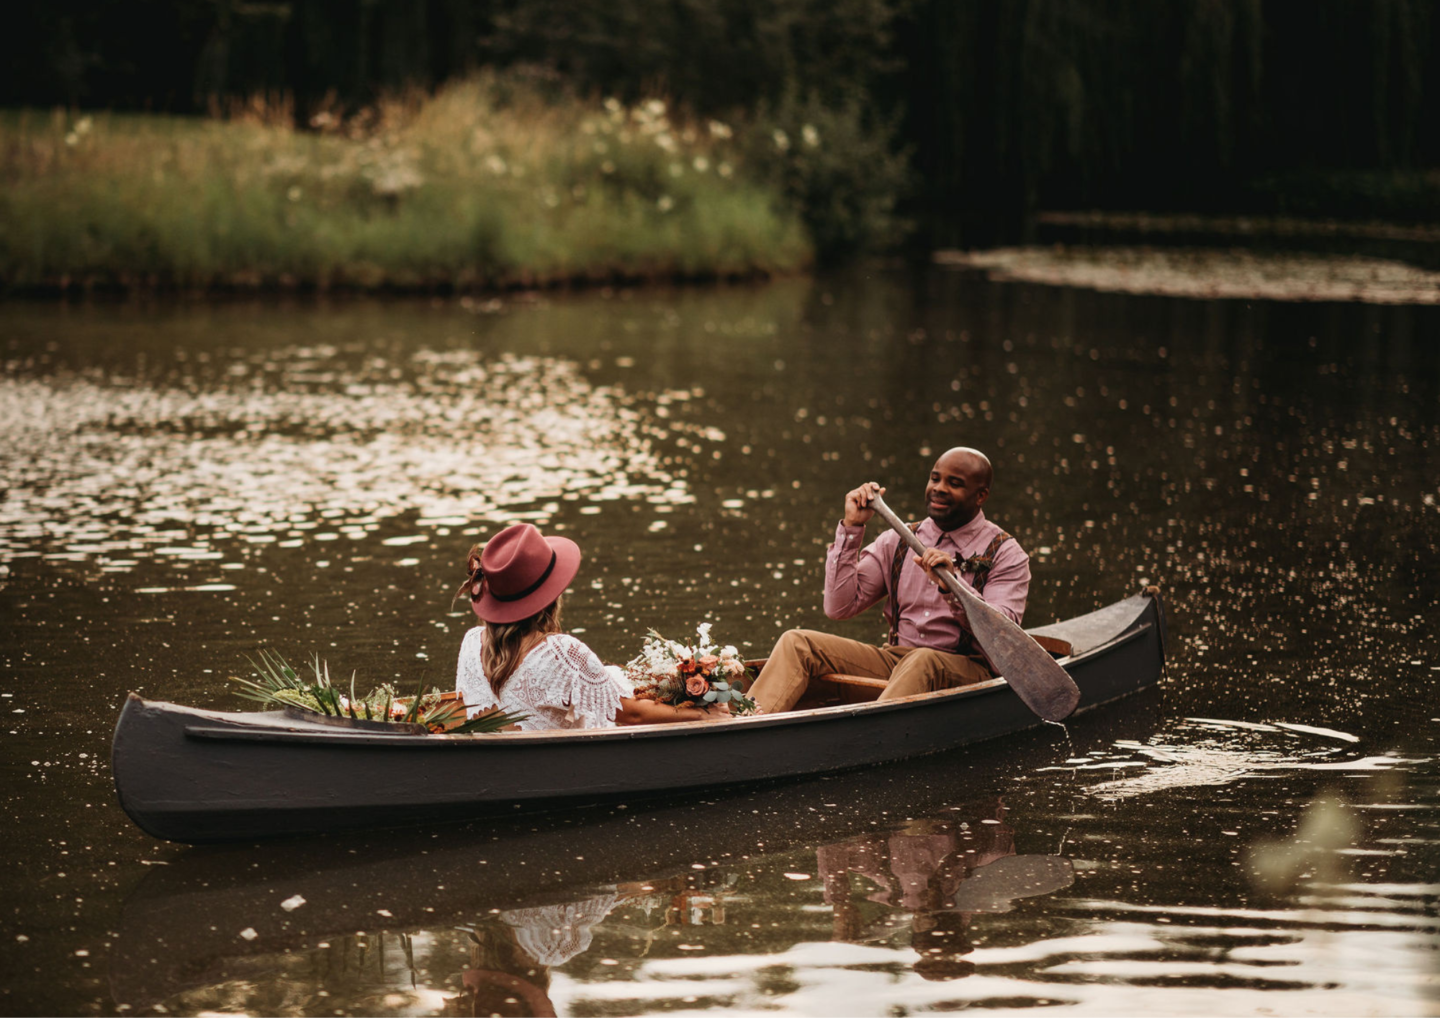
635,711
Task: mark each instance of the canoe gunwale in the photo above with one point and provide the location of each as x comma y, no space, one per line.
262,727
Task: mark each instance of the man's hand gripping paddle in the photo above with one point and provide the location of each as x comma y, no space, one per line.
1046,688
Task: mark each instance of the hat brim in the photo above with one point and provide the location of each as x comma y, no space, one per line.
567,564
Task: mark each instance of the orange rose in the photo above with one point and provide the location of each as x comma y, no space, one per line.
696,686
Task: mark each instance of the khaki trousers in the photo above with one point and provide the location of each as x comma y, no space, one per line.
801,653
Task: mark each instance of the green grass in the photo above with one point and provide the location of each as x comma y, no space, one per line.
459,189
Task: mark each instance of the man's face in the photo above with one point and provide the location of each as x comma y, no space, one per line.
954,494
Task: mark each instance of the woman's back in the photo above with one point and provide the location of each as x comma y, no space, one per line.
560,683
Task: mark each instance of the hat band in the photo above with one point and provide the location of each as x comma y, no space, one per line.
528,590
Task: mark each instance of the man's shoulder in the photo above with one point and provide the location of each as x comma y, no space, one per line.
1010,548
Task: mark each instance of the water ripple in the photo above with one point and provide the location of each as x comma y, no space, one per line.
114,469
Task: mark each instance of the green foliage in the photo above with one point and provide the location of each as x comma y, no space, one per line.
837,165
462,189
712,56
276,684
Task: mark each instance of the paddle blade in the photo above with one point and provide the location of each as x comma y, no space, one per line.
996,887
1037,679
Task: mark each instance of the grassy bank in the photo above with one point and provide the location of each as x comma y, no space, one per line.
478,186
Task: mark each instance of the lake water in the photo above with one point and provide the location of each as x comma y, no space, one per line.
186,483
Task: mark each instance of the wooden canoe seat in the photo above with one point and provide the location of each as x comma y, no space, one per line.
859,681
839,688
1056,646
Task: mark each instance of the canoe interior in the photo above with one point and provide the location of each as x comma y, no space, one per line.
194,775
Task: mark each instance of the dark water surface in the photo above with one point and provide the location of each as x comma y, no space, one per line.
185,484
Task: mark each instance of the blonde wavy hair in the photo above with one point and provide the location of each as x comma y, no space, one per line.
507,643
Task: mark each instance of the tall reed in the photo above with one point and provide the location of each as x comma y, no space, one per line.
483,184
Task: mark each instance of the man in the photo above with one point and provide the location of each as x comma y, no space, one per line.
930,645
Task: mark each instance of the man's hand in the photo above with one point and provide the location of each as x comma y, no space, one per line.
857,504
934,559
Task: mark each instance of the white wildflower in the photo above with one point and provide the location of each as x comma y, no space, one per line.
701,164
719,129
782,140
810,135
666,203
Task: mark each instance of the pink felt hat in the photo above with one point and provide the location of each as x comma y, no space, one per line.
520,572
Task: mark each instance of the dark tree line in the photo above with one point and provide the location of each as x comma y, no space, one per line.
1005,106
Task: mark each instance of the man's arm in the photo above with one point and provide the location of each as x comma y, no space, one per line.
854,579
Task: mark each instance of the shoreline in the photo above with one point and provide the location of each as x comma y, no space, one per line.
1205,273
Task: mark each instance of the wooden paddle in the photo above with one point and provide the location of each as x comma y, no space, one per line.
1046,688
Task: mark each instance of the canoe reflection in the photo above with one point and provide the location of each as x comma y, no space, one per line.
241,926
942,872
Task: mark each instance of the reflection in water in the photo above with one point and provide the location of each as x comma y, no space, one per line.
1209,753
926,869
301,446
477,941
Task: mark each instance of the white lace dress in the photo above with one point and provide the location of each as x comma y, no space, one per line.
560,684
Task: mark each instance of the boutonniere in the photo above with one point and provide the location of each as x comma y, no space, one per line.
977,564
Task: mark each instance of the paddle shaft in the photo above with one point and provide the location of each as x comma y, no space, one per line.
949,579
1045,687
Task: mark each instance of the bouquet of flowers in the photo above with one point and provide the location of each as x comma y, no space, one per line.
684,676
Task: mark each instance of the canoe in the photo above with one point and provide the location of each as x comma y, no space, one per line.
192,775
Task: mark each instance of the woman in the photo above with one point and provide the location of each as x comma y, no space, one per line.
519,660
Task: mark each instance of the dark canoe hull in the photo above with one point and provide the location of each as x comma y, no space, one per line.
190,775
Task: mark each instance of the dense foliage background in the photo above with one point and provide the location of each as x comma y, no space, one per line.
1291,106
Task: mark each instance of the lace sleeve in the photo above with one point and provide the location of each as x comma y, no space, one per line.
591,690
470,681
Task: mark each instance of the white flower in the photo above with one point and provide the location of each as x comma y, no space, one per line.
666,203
810,135
701,164
719,129
782,140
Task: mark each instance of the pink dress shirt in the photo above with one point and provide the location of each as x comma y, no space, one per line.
856,580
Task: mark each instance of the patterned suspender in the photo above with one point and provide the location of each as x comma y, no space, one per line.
892,610
980,565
